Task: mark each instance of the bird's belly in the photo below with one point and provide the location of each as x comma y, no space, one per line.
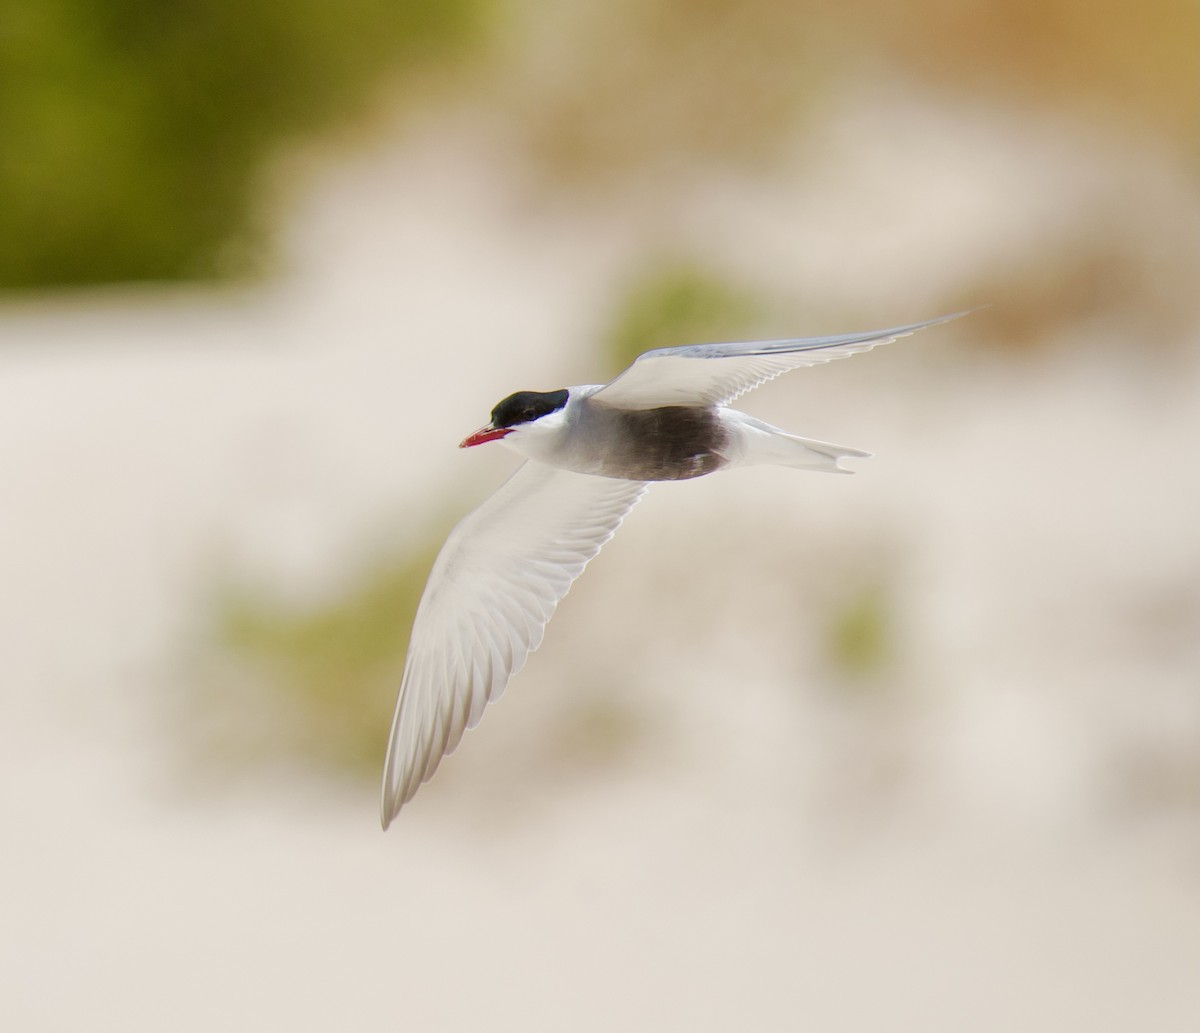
670,443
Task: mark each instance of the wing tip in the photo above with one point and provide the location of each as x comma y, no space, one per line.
958,315
395,797
390,802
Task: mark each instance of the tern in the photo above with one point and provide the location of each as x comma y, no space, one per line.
590,453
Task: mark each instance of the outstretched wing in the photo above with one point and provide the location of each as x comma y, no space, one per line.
492,589
715,374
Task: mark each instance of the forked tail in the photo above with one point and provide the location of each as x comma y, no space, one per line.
766,444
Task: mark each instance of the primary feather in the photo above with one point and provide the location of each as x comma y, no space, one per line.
716,374
493,587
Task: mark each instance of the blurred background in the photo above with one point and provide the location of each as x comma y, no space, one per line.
918,749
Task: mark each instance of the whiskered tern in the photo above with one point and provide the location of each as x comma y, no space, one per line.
590,454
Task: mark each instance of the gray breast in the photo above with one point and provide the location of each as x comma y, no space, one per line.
671,443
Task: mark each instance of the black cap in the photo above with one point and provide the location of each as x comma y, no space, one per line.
527,406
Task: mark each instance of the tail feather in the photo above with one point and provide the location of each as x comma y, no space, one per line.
807,454
762,443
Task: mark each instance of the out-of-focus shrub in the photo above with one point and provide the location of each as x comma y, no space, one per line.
678,303
133,133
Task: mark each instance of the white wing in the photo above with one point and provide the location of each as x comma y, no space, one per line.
492,589
715,374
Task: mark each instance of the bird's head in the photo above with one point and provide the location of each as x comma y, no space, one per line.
523,414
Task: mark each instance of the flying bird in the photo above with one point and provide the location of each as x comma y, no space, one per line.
590,453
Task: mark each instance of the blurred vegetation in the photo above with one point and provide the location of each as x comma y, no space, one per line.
860,636
667,82
678,302
1118,257
1109,61
600,729
649,80
319,682
135,133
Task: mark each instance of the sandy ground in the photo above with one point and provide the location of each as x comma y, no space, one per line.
977,856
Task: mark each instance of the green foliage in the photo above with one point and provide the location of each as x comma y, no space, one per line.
678,303
860,635
317,683
133,131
